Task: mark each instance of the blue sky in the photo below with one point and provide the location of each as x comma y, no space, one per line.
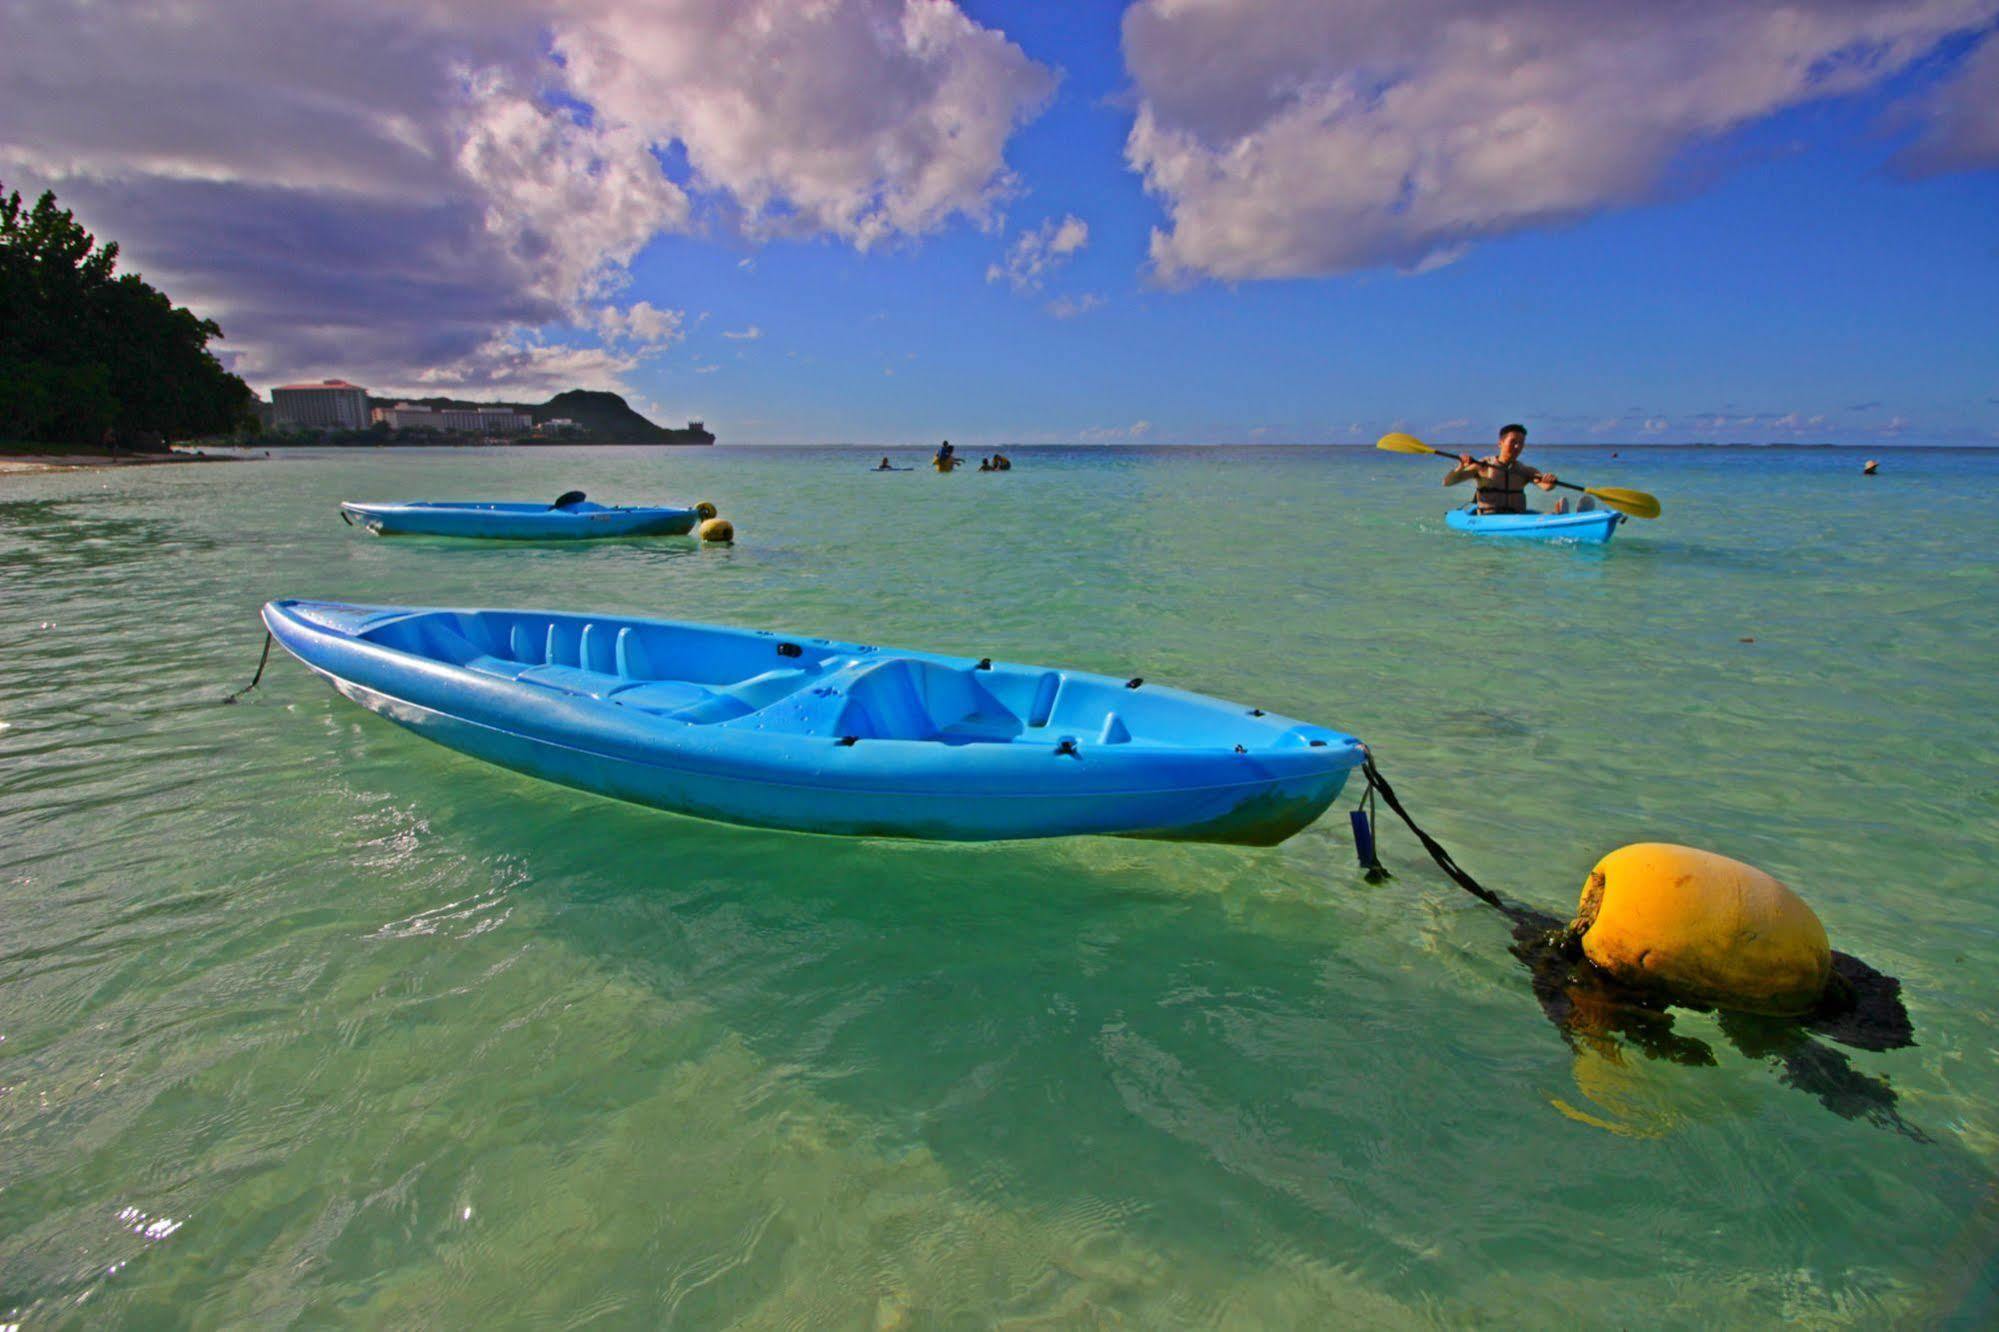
1725,229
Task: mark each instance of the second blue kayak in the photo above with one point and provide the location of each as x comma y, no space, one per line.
518,522
1592,527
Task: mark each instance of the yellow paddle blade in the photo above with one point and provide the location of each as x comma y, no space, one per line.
1634,502
1401,443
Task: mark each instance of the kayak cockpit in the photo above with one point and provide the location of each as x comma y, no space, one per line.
515,506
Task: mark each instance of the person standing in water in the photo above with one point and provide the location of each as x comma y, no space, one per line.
1502,479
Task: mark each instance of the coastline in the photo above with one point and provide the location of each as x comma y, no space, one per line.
26,462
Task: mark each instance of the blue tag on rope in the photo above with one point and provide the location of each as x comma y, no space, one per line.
1363,838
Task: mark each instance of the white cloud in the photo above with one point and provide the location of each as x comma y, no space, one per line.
1294,137
864,119
750,334
1959,121
1033,253
1067,307
383,190
571,201
641,324
1071,236
518,365
1115,434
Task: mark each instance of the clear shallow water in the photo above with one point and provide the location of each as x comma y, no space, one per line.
305,1019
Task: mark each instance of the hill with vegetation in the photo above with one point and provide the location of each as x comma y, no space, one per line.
605,418
90,357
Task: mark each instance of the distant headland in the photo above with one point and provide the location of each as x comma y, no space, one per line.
98,366
334,411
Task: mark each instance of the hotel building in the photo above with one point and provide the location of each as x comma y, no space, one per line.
331,404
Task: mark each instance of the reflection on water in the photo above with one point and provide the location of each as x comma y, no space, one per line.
391,1037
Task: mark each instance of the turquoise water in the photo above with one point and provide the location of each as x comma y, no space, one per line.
303,1019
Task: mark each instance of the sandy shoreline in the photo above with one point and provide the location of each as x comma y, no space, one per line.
66,462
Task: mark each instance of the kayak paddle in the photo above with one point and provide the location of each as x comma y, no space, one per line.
1634,502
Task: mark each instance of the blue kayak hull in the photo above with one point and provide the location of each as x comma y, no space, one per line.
517,522
1593,527
818,736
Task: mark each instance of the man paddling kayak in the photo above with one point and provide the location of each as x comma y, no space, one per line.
1502,479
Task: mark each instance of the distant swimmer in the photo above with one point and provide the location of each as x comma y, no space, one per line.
1869,468
1502,479
1001,463
883,466
986,465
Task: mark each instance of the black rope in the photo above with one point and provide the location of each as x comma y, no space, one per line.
261,662
1376,783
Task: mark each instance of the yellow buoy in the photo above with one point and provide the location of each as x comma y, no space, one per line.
706,510
716,529
1704,928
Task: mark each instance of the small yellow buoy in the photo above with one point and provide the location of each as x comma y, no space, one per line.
706,510
716,529
1704,928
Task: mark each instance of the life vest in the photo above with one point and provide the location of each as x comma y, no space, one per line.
1503,487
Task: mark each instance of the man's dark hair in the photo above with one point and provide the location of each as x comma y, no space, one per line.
1506,430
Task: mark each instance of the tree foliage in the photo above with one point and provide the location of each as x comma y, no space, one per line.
84,351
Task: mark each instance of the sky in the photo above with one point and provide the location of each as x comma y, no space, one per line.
1164,221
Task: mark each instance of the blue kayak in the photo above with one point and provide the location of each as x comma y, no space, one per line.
578,521
1592,526
808,734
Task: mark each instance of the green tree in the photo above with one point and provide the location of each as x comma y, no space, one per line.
83,351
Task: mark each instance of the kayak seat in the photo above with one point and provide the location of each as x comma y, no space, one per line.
437,637
665,697
703,705
922,700
576,680
500,668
